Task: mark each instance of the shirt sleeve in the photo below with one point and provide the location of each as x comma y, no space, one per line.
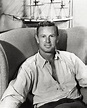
81,71
17,90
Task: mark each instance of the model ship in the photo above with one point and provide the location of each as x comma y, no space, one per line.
54,10
34,11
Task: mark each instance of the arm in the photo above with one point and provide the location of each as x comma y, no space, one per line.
81,76
81,72
17,90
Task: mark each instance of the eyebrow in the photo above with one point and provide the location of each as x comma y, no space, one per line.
49,34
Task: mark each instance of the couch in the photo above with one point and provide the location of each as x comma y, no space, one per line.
19,44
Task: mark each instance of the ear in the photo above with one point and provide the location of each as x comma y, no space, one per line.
36,37
57,39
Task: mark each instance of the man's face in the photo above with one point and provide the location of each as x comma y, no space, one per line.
47,38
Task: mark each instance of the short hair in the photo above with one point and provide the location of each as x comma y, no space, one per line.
47,23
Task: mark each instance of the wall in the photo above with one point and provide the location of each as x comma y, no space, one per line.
80,13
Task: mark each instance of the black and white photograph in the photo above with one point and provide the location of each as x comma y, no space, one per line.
43,54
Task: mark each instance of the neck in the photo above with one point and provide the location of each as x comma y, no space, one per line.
48,56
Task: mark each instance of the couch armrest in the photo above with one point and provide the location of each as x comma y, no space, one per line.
84,94
3,71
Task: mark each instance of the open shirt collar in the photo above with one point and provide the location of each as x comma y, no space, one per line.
41,61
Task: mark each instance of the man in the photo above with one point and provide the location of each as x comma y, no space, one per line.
50,74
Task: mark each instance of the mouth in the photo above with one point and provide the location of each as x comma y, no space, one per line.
48,45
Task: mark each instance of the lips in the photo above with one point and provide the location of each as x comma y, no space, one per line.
47,45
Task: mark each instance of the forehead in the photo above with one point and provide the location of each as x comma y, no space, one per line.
46,29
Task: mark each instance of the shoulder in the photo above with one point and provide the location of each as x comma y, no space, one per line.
30,61
68,56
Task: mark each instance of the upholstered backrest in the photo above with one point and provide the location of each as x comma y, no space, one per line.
77,42
18,45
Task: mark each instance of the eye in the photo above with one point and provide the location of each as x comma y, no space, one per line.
52,35
43,36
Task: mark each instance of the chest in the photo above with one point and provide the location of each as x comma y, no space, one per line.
59,73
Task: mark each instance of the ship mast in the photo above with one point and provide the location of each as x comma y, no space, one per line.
62,13
51,12
37,10
51,1
24,5
36,2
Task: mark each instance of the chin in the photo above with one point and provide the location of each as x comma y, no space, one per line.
47,50
50,51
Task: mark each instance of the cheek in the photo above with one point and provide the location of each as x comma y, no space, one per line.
54,41
42,40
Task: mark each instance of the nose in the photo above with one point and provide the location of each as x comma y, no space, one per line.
48,39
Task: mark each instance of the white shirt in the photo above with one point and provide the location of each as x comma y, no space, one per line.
36,74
